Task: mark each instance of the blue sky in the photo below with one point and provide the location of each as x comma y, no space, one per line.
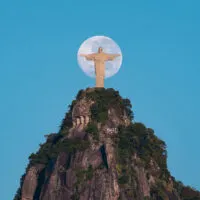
39,74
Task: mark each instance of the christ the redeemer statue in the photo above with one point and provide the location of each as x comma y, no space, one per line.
99,59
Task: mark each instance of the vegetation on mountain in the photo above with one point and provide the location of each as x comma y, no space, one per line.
49,150
105,99
93,130
135,139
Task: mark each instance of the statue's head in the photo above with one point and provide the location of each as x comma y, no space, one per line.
100,50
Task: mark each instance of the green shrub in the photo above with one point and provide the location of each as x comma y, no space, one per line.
72,145
136,138
93,130
104,100
159,192
123,179
89,173
49,151
84,175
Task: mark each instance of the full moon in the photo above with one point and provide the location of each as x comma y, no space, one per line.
91,45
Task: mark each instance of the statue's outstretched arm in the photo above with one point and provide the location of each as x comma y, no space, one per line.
112,56
88,56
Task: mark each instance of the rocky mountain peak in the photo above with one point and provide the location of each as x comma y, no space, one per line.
99,153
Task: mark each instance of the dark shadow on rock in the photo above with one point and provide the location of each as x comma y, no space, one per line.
104,156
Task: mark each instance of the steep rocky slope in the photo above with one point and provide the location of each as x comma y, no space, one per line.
100,154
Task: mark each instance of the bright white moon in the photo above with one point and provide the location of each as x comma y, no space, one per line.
91,45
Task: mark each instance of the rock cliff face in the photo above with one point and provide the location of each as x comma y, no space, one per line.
100,154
